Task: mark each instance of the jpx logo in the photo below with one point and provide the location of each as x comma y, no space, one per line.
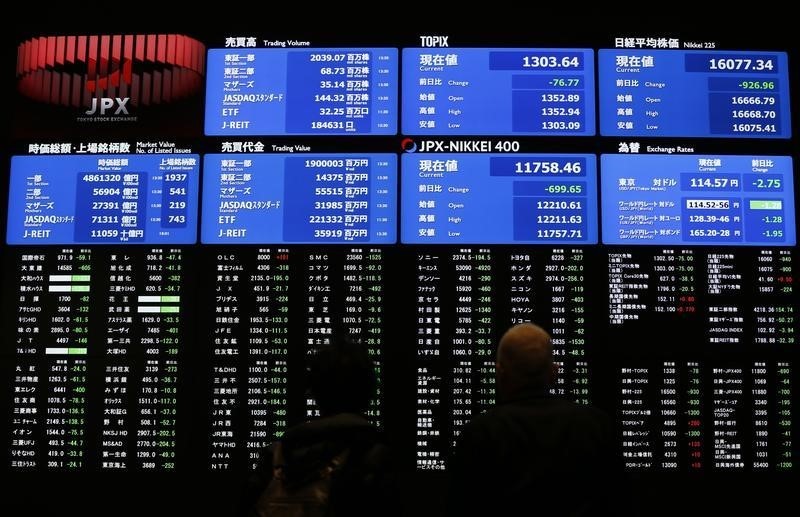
100,106
104,73
107,77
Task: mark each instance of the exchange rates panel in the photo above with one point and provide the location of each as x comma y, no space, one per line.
312,199
493,91
727,200
694,93
103,199
302,92
499,199
713,200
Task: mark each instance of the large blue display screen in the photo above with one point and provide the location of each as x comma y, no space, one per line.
103,199
691,199
301,92
694,93
284,198
484,91
499,199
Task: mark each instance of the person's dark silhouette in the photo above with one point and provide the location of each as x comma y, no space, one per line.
342,382
533,454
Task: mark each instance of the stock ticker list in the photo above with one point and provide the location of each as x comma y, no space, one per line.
260,295
96,358
466,297
124,330
720,398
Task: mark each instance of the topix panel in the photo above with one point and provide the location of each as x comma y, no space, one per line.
498,199
103,199
310,198
302,92
691,199
694,93
498,91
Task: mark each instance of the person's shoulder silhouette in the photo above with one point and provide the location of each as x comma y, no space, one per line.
532,450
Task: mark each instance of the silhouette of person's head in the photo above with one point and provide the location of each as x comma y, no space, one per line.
524,361
342,378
